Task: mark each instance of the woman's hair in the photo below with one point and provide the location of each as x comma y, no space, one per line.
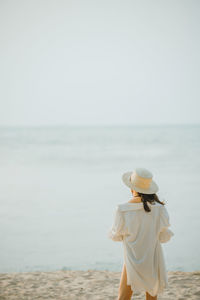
151,198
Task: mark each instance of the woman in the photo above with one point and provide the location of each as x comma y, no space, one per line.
142,224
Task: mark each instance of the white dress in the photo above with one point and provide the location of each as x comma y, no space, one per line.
142,234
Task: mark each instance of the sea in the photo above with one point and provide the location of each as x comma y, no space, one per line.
59,187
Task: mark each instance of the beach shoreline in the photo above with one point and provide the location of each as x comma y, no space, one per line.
90,284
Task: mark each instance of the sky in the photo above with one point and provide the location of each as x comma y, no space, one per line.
106,62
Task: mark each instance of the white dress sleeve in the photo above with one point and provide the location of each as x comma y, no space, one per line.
116,232
165,233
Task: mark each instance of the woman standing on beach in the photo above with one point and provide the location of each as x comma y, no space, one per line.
142,224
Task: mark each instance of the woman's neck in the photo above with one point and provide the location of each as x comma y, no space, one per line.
135,199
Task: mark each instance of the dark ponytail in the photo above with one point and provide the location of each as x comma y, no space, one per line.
151,198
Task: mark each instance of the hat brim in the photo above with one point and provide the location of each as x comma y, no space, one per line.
153,188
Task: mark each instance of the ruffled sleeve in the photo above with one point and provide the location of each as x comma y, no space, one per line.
165,233
116,232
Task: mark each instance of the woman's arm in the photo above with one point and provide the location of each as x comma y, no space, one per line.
116,232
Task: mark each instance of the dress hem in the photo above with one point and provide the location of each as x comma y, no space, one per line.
161,289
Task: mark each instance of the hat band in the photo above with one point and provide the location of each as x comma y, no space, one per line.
140,182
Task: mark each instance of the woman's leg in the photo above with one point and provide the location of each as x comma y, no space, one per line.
149,297
125,291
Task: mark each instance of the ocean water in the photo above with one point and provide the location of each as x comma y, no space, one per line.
60,185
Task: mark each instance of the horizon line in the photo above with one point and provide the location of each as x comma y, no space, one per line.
97,125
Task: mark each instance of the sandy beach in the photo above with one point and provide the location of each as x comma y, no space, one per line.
90,284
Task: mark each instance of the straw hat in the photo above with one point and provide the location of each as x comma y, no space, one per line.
140,180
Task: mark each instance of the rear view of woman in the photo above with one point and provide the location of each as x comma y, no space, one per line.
142,225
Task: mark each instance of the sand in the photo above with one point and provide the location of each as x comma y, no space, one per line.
90,284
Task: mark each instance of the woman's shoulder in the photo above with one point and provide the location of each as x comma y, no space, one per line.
128,206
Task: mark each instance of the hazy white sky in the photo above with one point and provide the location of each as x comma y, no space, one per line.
99,62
